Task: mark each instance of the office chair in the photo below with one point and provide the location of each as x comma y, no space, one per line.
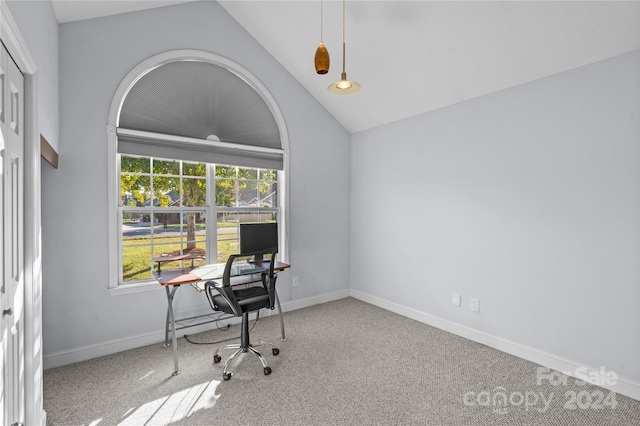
240,302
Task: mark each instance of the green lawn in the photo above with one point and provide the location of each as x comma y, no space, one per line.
137,253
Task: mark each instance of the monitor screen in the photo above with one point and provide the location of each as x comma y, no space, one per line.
258,237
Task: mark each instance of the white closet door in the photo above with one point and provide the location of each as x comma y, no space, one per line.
12,354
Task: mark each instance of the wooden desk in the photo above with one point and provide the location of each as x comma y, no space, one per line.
174,278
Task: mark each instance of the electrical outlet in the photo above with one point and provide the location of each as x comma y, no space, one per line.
295,283
456,299
474,305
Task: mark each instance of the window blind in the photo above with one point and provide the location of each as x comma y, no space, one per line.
149,144
173,109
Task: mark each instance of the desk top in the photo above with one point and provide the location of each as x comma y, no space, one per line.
214,271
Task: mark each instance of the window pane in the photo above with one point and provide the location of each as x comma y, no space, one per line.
135,263
268,194
135,226
136,223
167,222
136,249
247,173
268,175
194,232
195,220
225,172
194,169
166,190
245,217
166,167
194,192
225,193
268,217
166,233
172,237
134,190
248,193
134,164
167,238
227,235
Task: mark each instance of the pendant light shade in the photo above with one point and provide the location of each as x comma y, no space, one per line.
321,60
344,86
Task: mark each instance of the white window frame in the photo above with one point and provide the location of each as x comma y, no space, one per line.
113,177
211,210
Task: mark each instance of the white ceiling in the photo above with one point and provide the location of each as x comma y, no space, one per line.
417,56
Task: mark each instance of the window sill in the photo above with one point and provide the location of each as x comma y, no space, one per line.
135,288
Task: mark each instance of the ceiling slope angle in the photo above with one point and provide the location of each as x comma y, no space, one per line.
413,57
79,10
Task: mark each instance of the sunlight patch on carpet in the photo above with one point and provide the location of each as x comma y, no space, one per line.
175,407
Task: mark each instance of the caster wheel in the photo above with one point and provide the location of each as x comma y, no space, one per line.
267,371
275,351
226,376
216,358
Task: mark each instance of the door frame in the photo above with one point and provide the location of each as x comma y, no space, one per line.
17,47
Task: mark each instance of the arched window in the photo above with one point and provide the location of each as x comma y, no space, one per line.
196,146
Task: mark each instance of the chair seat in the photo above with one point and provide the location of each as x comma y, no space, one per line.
250,299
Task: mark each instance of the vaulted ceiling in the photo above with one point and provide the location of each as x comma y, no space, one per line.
417,56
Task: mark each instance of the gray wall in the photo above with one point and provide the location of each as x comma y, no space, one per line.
526,199
95,55
39,29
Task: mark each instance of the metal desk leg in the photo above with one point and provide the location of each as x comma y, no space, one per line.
166,327
170,294
281,318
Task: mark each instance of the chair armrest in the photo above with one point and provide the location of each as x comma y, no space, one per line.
215,284
226,292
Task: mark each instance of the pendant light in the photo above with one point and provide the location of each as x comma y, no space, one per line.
344,86
322,54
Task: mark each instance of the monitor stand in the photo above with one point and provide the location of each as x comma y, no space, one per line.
259,258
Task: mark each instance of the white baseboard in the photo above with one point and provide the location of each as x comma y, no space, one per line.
293,305
84,353
622,386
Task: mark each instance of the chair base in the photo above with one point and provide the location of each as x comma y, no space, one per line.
226,375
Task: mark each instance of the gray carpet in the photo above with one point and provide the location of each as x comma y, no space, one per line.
344,363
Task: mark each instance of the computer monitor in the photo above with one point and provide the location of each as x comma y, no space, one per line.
258,237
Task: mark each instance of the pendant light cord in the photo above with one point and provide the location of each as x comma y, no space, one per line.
344,45
343,9
321,24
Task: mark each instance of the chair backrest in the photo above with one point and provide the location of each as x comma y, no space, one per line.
239,264
242,263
